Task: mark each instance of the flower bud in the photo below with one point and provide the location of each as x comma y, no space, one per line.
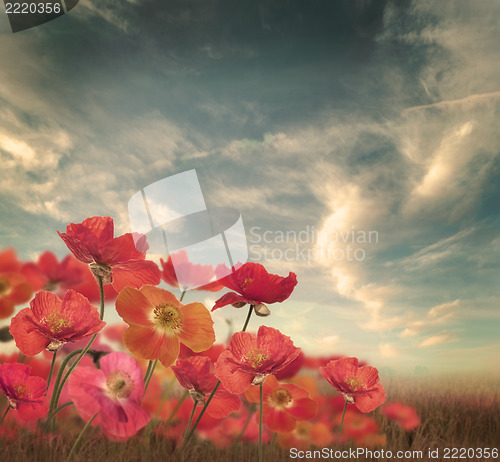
101,270
261,310
198,397
258,379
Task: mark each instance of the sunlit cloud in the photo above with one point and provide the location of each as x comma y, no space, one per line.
438,339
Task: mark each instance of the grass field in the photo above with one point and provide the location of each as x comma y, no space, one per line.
456,412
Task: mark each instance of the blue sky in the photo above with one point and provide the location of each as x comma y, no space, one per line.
334,119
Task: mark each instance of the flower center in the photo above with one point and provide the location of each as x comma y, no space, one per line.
50,285
256,357
5,287
56,322
22,391
303,430
355,383
280,398
119,384
245,283
168,317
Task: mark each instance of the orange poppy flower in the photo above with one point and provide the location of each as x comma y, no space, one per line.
159,322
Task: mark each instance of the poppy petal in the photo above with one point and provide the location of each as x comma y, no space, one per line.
134,307
197,327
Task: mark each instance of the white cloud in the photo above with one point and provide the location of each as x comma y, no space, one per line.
438,339
436,316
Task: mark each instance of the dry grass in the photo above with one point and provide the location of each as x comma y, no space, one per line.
455,413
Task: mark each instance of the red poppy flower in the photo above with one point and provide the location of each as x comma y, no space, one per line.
158,322
113,392
25,393
196,375
14,287
50,274
50,322
359,385
249,358
406,416
191,276
283,404
357,427
254,285
117,260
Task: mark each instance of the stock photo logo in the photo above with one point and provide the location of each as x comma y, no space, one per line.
202,244
26,15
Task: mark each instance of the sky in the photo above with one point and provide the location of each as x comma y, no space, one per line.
358,139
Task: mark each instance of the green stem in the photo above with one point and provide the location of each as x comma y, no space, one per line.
342,423
190,434
260,422
182,295
101,292
60,408
149,378
191,418
4,414
59,376
176,408
248,319
52,364
56,394
80,437
148,370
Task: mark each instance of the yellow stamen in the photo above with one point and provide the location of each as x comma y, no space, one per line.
119,384
56,322
22,391
355,383
256,357
280,398
168,317
245,283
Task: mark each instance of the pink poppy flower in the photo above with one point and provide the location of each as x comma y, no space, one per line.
249,358
359,385
50,322
252,284
25,393
196,375
113,392
117,260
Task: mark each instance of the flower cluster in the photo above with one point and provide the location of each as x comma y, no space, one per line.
258,384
